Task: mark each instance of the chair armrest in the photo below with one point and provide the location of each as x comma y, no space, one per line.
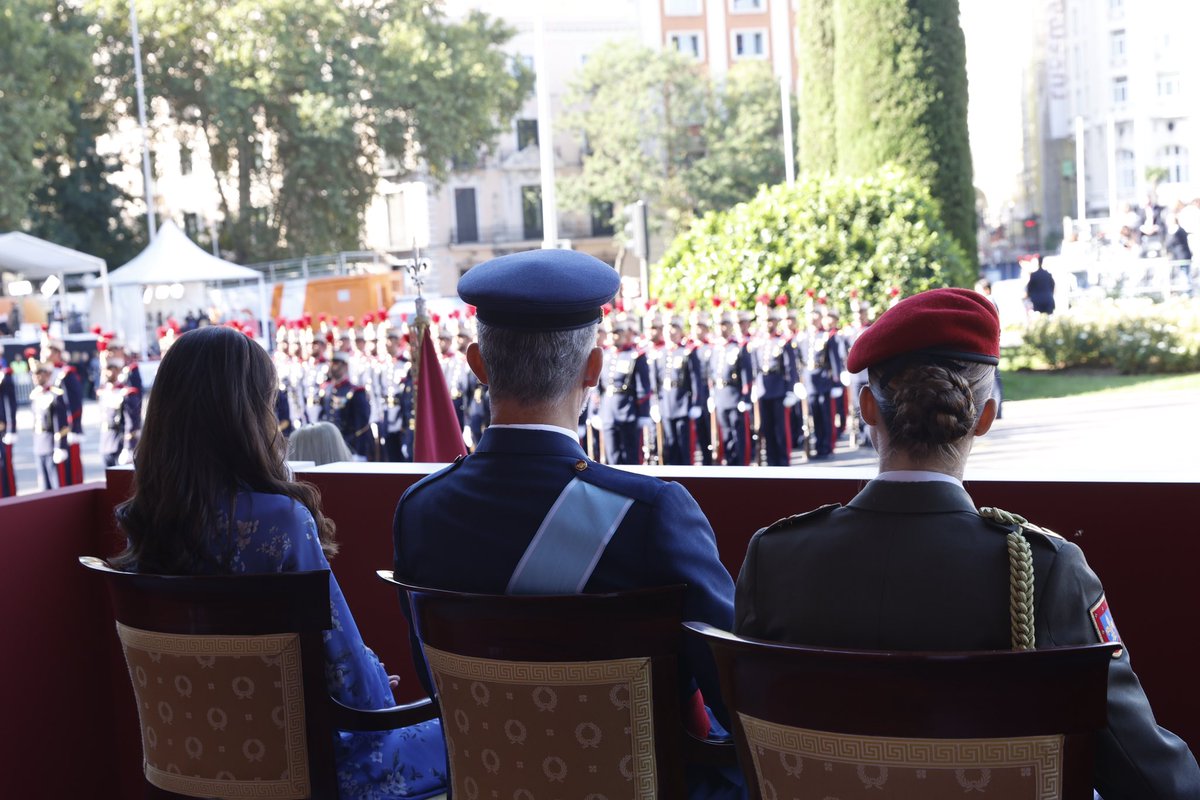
346,718
718,752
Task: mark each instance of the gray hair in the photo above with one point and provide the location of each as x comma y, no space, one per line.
320,443
534,367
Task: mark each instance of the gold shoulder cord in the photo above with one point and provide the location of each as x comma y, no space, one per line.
1020,569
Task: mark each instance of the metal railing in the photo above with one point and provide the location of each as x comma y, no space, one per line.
348,262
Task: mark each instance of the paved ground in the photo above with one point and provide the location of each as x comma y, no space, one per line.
1130,435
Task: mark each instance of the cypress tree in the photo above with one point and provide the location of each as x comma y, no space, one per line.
817,134
901,94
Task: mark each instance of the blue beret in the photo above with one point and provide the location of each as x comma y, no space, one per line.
548,290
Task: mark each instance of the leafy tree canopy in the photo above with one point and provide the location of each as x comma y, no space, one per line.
300,102
658,130
832,236
44,66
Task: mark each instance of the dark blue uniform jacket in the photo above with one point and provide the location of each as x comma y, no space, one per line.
466,527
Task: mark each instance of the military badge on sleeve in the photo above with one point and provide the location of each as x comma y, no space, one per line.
1102,621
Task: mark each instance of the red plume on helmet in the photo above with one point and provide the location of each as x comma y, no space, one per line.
781,300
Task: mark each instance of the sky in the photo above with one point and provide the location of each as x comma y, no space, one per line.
999,46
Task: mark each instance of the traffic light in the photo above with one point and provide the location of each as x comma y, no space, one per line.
636,234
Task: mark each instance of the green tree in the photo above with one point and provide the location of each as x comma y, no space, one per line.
828,234
78,206
300,103
641,112
901,89
44,65
817,132
742,138
658,130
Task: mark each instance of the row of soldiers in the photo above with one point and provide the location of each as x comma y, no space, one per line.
723,387
56,403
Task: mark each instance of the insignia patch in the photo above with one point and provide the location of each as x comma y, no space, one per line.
1102,621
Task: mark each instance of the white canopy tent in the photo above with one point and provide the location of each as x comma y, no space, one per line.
174,258
36,259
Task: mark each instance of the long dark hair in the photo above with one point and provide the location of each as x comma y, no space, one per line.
209,433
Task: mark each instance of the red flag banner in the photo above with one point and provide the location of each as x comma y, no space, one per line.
436,434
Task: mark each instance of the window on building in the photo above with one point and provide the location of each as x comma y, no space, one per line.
1174,158
1116,8
1168,84
1116,47
746,6
466,227
1126,171
749,44
689,43
683,8
527,133
191,224
531,212
185,160
1120,91
399,235
602,219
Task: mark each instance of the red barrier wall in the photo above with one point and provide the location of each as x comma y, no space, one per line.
1139,537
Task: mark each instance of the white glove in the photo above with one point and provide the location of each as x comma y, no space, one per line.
468,438
847,377
126,458
755,393
694,412
712,405
75,438
655,414
594,421
59,456
800,390
835,392
645,422
790,400
9,438
743,406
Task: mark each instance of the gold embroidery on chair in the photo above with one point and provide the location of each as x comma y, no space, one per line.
1039,757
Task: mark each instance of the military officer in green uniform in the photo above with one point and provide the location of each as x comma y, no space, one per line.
910,564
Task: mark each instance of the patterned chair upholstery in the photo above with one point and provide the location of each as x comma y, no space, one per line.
228,673
818,723
563,696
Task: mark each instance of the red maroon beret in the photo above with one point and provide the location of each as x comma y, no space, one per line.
953,323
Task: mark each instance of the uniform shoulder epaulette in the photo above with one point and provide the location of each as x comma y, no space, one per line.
1006,518
433,476
796,519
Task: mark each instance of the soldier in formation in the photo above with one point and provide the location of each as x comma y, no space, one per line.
731,386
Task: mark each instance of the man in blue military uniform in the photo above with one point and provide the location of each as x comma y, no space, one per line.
732,377
346,405
624,388
8,430
774,393
528,512
120,418
681,394
67,380
50,426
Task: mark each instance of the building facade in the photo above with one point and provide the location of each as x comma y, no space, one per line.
1121,73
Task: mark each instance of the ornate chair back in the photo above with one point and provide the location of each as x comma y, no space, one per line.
811,722
229,677
564,696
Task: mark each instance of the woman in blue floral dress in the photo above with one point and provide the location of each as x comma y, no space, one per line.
213,495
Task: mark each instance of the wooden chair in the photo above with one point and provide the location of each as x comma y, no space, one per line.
811,722
559,696
229,677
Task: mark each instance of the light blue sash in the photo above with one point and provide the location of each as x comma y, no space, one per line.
568,545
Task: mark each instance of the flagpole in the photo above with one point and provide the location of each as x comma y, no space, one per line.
147,177
545,134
